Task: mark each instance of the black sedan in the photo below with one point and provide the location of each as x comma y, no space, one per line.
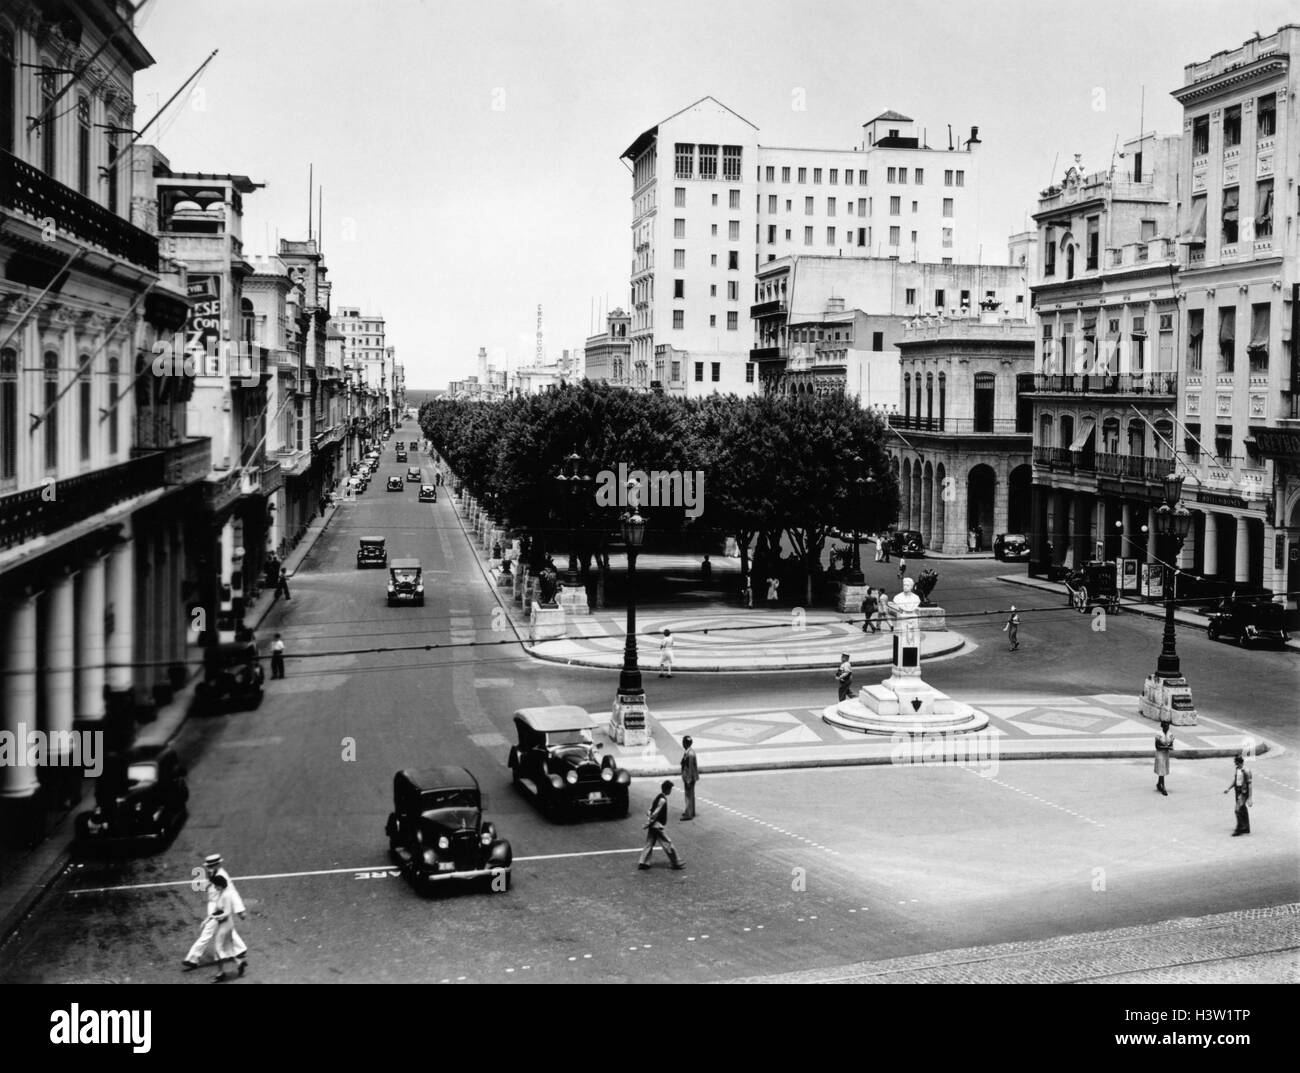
1249,622
395,484
558,763
141,801
906,542
1011,546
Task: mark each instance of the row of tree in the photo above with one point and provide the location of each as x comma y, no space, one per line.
797,466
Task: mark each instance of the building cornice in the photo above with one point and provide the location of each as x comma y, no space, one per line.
1260,70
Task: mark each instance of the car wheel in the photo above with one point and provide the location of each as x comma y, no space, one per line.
1083,601
1242,640
1211,633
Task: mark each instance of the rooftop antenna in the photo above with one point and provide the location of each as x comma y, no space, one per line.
950,137
320,219
310,188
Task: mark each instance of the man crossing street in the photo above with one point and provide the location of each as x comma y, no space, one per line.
212,867
656,822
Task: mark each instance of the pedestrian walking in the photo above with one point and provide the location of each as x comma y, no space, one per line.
227,945
1241,788
869,612
706,571
1012,628
1164,746
655,828
884,546
666,655
277,657
690,776
282,584
844,675
773,584
902,567
880,546
213,868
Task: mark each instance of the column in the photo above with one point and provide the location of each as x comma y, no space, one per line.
1242,572
59,684
1099,526
927,510
1126,533
90,642
1082,539
18,783
1211,566
1151,535
121,642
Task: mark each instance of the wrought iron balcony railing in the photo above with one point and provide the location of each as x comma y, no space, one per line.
1165,383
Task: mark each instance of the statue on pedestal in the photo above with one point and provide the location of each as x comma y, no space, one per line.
547,583
905,605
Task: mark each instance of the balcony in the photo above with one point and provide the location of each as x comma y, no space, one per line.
27,515
1135,467
769,353
958,426
1149,384
767,309
27,190
186,462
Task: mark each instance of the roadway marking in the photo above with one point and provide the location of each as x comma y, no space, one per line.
771,827
1035,797
368,870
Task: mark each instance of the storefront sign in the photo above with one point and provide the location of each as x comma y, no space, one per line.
1277,442
1215,499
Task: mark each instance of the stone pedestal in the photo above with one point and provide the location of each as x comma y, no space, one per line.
520,585
851,597
1167,700
630,719
506,581
545,623
573,600
931,619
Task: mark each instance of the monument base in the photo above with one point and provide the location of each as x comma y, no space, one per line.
629,721
1167,700
573,600
545,623
850,599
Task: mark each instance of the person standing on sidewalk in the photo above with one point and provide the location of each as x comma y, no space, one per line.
212,867
666,655
656,822
844,676
902,567
1241,788
277,657
706,571
690,776
1012,628
1164,746
282,584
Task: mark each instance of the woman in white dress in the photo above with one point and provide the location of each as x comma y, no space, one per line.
226,945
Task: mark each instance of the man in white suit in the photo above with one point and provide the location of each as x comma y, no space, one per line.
212,867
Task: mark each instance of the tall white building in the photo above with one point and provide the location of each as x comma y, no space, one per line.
710,206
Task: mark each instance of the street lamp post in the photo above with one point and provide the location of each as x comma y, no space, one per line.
573,484
1166,695
628,720
859,488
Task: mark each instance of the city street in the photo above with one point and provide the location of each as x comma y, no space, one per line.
808,870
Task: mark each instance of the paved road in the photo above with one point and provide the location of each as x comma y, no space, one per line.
800,870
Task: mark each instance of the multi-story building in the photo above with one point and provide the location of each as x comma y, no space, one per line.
607,356
1106,364
99,478
1238,410
710,206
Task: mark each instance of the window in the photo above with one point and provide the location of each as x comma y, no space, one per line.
862,206
708,161
733,261
1232,126
830,206
749,365
914,206
8,95
862,178
1094,237
733,290
894,236
679,258
947,207
112,168
1200,135
679,228
985,390
713,229
1257,349
902,176
49,127
713,290
939,300
1266,116
731,162
699,372
848,176
817,175
771,234
891,176
835,176
864,234
734,201
679,288
1230,204
807,206
830,236
679,197
1264,208
877,341
965,299
679,319
947,177
910,296
803,175
918,175
895,206
929,400
787,234
1227,339
83,146
907,397
771,174
685,157
807,236
83,407
713,260
771,203
1223,441
913,238
961,177
51,367
1148,230
715,369
733,230
947,237
8,412
713,320
785,175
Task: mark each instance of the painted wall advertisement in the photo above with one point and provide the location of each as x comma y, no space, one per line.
1153,581
203,331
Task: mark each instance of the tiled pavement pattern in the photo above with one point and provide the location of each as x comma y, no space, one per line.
1249,945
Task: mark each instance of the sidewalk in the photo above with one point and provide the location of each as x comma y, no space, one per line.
28,873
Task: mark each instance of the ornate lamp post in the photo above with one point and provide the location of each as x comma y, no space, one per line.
628,721
1166,695
859,499
571,487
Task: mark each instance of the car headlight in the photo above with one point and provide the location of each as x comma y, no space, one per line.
419,588
485,839
444,842
390,586
607,774
430,857
572,777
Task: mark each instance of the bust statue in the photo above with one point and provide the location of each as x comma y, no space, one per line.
907,601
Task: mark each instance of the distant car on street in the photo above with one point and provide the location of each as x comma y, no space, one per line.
559,765
1011,546
400,445
401,456
1249,622
395,484
428,493
413,474
371,552
906,542
140,801
405,582
232,678
436,831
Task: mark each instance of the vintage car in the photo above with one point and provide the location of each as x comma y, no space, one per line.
1011,546
232,678
905,542
140,801
399,446
1249,622
413,448
401,456
413,474
436,830
372,552
428,493
355,486
405,582
395,484
560,766
1093,584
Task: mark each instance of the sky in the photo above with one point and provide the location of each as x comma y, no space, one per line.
469,152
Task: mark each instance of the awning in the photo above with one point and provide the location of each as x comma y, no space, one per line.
1228,325
1264,218
1196,232
1259,328
1230,198
1085,434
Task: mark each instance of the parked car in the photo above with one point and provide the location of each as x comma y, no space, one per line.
401,456
1093,584
395,484
1011,546
356,485
413,474
405,582
437,832
559,765
1249,622
428,493
232,678
906,542
371,551
413,448
140,801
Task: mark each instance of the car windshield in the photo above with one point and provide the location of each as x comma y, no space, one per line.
568,737
406,575
371,545
139,774
435,799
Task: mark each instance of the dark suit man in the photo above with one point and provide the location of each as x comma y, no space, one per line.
690,776
656,822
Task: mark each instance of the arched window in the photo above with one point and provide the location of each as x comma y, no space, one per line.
907,398
51,411
929,400
918,398
1069,261
943,398
111,165
8,412
985,398
1045,430
1164,437
1137,439
83,145
1066,432
1110,436
8,89
114,367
